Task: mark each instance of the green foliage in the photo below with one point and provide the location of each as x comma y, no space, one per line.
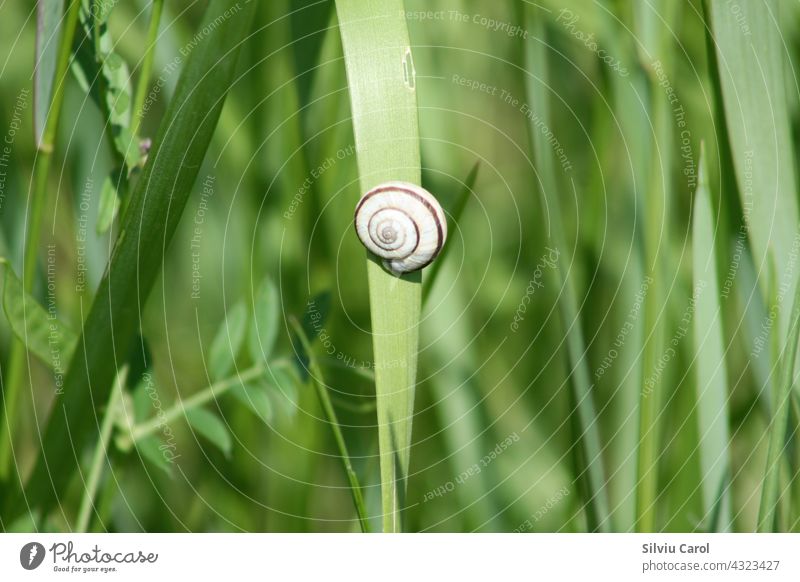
255,396
210,426
39,330
752,75
588,435
153,215
228,342
264,327
178,189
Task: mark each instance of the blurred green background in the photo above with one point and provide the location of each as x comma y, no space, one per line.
283,185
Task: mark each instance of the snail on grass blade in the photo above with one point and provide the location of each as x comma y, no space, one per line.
401,223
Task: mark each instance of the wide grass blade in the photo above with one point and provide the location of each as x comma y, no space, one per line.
155,209
597,510
751,78
712,381
383,98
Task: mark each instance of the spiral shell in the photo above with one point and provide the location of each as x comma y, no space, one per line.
401,223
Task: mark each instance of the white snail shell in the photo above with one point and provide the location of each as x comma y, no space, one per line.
403,224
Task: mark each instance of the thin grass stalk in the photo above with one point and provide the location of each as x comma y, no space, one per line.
101,453
327,406
147,67
179,409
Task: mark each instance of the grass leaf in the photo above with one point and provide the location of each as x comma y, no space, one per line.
751,78
382,83
452,224
712,382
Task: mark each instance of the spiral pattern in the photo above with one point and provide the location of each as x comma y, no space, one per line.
401,223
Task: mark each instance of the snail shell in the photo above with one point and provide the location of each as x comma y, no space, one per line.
401,223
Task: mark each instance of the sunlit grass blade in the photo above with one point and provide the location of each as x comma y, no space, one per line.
712,382
382,83
454,216
596,502
153,215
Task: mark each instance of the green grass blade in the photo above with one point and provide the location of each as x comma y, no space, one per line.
597,509
454,217
155,209
770,490
459,406
101,454
383,99
651,394
712,382
656,60
327,406
309,19
751,77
